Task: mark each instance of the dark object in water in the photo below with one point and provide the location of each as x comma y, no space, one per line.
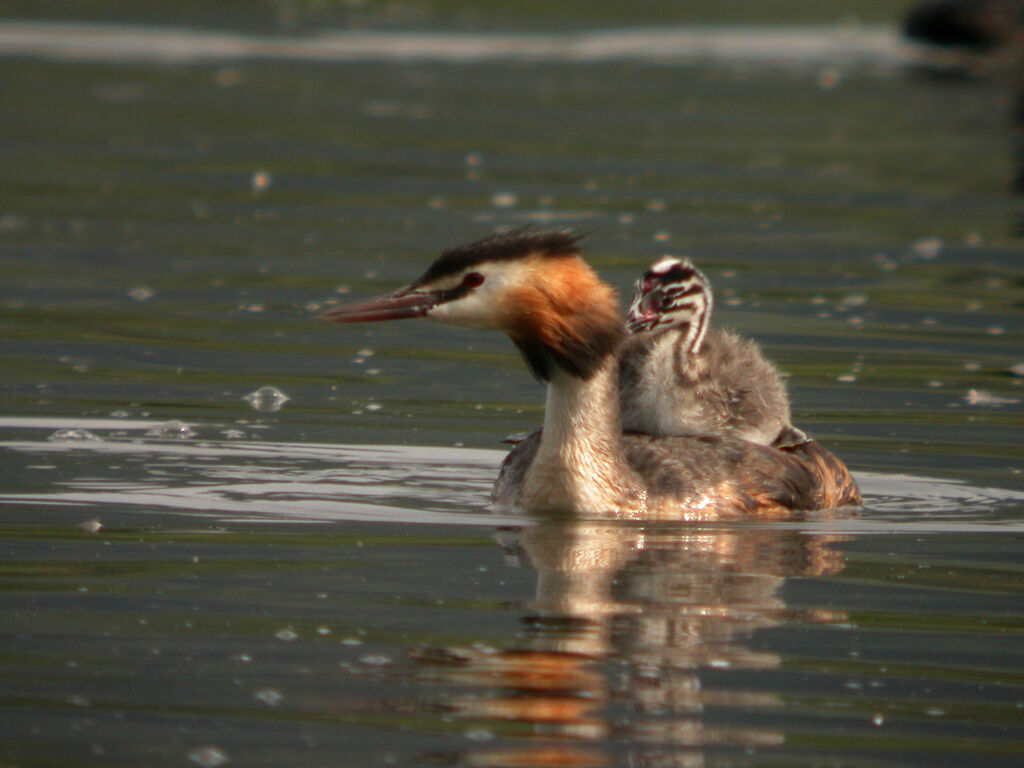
978,25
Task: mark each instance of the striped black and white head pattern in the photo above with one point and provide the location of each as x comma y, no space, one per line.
672,294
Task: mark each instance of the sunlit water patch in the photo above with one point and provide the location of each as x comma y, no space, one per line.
168,466
97,462
840,44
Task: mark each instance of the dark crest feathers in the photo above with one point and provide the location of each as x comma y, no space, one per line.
502,247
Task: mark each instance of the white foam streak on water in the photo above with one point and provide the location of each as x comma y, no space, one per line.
292,482
783,45
43,422
401,456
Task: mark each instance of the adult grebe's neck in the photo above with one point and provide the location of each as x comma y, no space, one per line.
579,466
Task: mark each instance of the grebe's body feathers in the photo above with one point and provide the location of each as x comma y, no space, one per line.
727,388
706,477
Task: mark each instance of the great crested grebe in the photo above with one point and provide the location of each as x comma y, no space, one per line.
566,322
678,376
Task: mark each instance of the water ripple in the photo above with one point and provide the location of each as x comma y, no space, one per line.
311,482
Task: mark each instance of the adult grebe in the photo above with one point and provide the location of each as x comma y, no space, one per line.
678,376
536,288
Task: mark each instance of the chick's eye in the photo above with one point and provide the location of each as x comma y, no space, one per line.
473,279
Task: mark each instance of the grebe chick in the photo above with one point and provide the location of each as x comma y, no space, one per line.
535,287
678,376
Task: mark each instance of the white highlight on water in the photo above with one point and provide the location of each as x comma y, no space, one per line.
270,482
820,45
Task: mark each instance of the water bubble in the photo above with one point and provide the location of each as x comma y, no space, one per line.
261,180
373,406
479,734
72,435
351,641
878,720
848,378
474,159
142,293
267,399
208,757
228,77
376,660
269,696
286,635
927,247
91,526
656,205
233,434
854,300
172,429
828,79
504,199
200,209
983,397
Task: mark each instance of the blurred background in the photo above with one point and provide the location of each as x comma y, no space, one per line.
179,198
175,205
185,186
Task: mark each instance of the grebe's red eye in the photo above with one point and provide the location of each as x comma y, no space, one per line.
473,279
650,283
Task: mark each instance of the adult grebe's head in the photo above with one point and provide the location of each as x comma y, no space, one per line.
531,284
672,294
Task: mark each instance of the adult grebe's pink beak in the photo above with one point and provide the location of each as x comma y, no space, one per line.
403,303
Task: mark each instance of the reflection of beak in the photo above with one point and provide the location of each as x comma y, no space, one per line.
399,305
